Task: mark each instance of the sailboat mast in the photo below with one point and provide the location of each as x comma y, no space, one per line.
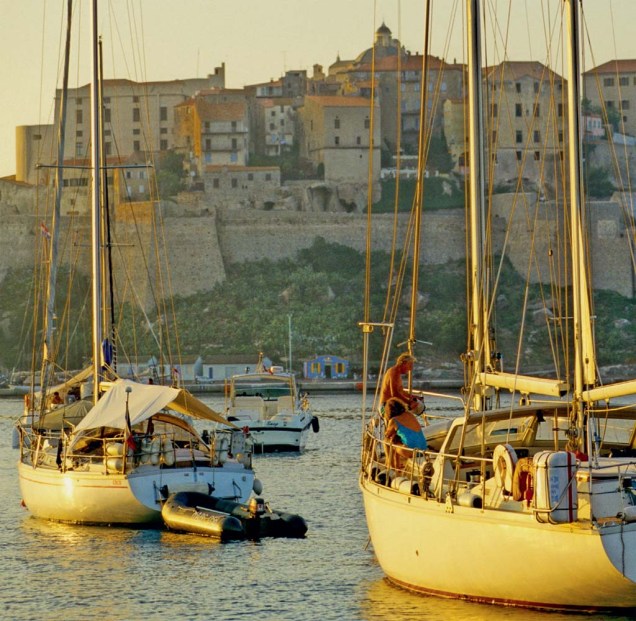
48,354
585,360
479,343
96,215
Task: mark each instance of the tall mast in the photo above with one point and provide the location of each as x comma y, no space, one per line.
585,359
49,353
96,216
478,341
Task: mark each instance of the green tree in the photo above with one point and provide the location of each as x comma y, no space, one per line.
170,174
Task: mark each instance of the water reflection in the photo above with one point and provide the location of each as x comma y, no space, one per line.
380,600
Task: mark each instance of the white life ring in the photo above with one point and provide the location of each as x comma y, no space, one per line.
504,459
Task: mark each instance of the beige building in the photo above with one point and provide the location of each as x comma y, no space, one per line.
212,129
336,137
273,123
612,87
399,88
138,117
35,144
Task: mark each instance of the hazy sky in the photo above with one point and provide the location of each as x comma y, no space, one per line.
257,40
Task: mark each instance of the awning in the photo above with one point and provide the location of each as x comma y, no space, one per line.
144,400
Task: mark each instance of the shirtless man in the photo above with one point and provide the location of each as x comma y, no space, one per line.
392,382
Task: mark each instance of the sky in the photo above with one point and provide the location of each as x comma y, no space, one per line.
258,40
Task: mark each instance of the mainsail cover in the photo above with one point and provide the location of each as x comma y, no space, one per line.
144,400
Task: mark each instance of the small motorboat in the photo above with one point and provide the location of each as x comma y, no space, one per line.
194,512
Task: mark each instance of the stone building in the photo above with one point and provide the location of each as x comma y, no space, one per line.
138,117
212,129
336,137
272,121
526,123
399,81
612,87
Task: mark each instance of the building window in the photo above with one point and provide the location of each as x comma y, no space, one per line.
136,145
367,123
106,100
536,87
163,145
78,101
536,112
560,109
609,104
250,176
336,123
623,81
79,149
358,140
235,183
38,136
494,137
208,144
272,113
135,99
233,126
163,113
608,81
537,156
163,130
234,144
282,122
268,176
519,155
136,132
107,132
495,111
272,126
79,133
79,117
561,155
519,136
336,140
215,183
518,87
560,136
518,110
537,135
136,115
625,104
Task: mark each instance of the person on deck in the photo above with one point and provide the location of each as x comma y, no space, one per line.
403,431
392,384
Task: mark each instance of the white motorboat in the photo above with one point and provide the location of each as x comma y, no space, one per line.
531,504
268,404
113,456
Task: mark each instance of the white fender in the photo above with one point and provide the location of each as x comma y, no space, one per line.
167,451
504,459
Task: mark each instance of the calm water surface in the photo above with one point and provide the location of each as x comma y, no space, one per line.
55,571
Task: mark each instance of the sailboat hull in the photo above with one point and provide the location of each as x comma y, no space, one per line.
498,556
135,498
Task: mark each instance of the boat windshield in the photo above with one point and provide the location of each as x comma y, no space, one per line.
268,392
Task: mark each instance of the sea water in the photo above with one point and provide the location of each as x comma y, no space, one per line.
55,571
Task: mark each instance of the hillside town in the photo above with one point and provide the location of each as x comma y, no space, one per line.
355,122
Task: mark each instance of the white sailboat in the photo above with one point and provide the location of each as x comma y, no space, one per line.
268,403
115,455
530,505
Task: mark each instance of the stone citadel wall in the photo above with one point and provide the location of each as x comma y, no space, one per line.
203,241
